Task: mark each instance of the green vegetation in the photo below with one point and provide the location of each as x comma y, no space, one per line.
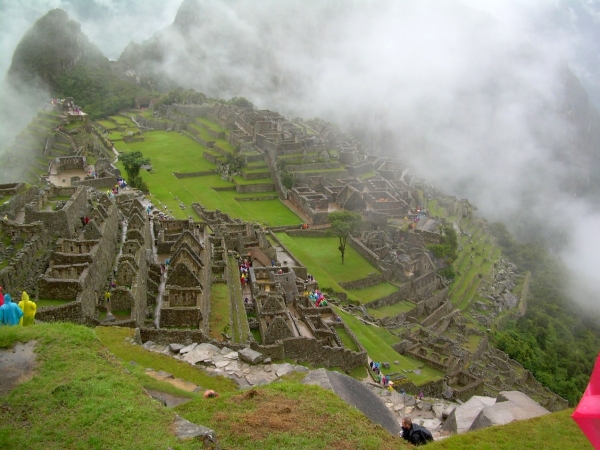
287,415
114,339
181,96
551,432
378,341
173,152
326,267
555,340
346,339
79,397
132,162
219,310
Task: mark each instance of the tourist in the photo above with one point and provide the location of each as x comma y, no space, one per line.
29,309
10,313
415,434
107,301
1,297
420,395
210,394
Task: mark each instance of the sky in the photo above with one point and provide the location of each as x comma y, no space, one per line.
466,91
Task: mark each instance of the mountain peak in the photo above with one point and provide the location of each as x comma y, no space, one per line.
188,15
51,47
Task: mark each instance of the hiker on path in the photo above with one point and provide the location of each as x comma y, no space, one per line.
10,313
415,434
107,301
29,309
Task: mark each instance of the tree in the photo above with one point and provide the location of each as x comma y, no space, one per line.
132,162
343,224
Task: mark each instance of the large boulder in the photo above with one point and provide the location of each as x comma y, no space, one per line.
509,406
356,394
463,416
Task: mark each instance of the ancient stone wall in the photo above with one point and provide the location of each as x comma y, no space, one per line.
93,288
98,183
252,188
181,317
70,312
18,201
65,221
436,315
310,350
370,280
370,256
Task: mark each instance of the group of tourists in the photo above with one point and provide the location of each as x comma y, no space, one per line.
16,314
244,266
316,297
380,378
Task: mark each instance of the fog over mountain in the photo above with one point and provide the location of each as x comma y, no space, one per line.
480,98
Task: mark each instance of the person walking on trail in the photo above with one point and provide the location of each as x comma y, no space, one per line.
415,434
10,313
107,301
29,309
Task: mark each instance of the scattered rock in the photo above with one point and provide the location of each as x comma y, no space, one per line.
386,365
284,369
447,411
187,348
250,356
267,361
185,430
176,347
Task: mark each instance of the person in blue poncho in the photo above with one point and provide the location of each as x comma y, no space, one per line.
10,313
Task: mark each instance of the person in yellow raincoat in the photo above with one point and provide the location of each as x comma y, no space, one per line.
29,308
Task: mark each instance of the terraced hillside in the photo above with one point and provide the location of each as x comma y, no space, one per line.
185,172
32,151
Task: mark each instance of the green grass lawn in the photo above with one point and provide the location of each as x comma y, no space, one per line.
323,261
377,341
288,415
550,432
171,152
346,339
375,292
114,339
121,120
213,126
80,397
219,310
391,310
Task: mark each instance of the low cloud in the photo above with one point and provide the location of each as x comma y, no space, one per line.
471,94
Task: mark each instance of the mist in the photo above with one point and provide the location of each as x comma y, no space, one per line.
470,94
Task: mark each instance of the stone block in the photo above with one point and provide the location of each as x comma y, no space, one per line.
186,430
187,348
176,347
509,406
463,416
250,356
386,365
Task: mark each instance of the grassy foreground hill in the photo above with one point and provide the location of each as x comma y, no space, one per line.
81,395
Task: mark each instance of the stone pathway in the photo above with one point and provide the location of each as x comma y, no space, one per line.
247,373
227,363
